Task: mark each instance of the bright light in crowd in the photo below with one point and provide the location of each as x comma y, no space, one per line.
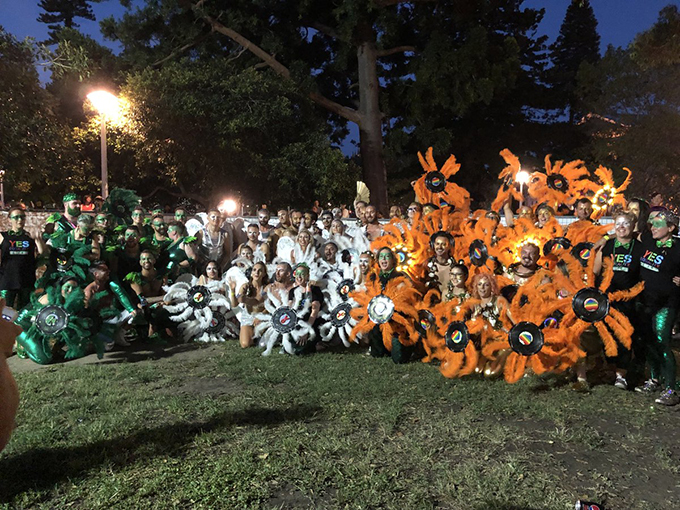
228,206
522,177
105,103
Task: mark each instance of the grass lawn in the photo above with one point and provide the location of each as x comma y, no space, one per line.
220,427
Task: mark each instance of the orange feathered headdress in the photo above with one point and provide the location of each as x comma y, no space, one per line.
435,187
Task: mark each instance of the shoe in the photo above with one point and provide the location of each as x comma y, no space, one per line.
581,386
668,397
650,386
621,382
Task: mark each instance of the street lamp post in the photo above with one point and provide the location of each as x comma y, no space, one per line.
108,107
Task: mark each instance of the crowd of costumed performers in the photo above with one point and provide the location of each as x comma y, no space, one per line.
502,292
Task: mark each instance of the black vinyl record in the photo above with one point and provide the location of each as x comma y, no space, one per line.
284,319
558,182
340,315
424,322
344,288
380,309
51,320
435,181
61,259
199,297
217,323
553,320
457,336
478,252
583,252
526,338
590,305
557,242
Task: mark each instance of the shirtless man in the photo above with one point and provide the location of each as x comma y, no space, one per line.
372,225
283,281
527,267
253,233
439,266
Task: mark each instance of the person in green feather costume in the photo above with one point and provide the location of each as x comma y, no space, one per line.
56,322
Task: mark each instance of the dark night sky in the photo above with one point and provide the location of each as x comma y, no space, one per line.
619,21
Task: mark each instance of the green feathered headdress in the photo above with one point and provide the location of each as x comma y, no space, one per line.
120,203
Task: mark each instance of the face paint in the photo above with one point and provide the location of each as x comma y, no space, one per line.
18,217
384,256
659,223
68,287
622,222
130,235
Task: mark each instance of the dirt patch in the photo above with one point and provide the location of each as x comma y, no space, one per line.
213,387
289,497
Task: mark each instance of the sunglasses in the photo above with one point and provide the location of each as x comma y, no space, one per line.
18,217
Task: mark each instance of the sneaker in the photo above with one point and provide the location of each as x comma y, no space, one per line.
668,397
581,386
650,386
621,382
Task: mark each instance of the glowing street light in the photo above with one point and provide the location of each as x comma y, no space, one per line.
108,107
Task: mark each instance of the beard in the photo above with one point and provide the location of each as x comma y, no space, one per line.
73,211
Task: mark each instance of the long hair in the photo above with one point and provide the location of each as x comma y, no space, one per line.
492,281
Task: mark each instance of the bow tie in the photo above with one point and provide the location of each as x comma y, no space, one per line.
625,246
664,244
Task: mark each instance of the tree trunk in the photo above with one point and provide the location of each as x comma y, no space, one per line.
370,125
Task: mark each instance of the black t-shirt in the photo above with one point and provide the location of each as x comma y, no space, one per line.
317,295
17,269
658,266
626,261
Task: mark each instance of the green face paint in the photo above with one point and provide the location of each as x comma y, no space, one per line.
130,235
68,287
659,223
73,211
18,217
384,256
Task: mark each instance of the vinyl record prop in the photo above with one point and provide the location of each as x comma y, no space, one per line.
393,310
525,338
336,313
561,184
281,323
449,340
48,328
478,253
592,305
556,244
200,311
435,185
583,252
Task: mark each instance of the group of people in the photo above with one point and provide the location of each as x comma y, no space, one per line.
444,284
